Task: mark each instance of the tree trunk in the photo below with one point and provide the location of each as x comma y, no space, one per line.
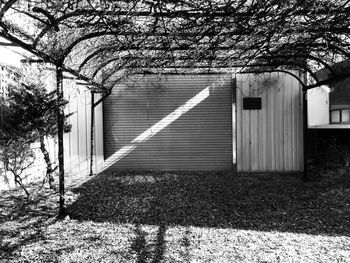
18,180
49,170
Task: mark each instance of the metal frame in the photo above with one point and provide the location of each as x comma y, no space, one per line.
279,58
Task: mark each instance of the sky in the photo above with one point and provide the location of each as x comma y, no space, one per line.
11,55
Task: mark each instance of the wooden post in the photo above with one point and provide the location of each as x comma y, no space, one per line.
92,131
60,125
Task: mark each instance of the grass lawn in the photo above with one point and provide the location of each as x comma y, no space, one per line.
181,217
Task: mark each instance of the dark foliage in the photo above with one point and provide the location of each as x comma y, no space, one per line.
327,150
34,110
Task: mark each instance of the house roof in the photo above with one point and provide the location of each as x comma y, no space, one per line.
102,41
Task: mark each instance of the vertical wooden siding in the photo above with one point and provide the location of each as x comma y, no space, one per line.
77,147
170,123
269,139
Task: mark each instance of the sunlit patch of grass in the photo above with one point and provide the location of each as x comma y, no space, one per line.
73,241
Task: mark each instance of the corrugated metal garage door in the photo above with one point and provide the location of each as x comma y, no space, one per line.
172,122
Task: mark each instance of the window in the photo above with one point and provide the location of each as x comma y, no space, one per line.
335,116
340,116
345,115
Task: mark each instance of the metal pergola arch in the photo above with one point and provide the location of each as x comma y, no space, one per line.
254,28
120,38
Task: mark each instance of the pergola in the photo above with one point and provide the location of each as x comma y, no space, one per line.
102,42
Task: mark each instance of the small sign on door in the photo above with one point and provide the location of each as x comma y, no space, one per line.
252,103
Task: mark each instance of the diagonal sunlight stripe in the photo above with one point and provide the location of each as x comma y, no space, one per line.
163,123
172,116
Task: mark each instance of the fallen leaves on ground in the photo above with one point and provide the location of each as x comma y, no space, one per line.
181,217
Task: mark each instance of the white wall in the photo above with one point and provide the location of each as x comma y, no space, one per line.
318,106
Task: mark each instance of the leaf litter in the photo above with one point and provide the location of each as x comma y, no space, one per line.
180,217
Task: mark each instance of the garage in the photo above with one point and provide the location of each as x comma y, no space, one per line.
170,122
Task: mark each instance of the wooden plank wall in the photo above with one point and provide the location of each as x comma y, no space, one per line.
270,139
77,147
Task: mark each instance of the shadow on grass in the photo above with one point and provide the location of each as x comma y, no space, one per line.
259,202
22,220
149,252
163,211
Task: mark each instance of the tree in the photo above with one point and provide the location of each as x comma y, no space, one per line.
30,116
36,116
17,156
15,152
